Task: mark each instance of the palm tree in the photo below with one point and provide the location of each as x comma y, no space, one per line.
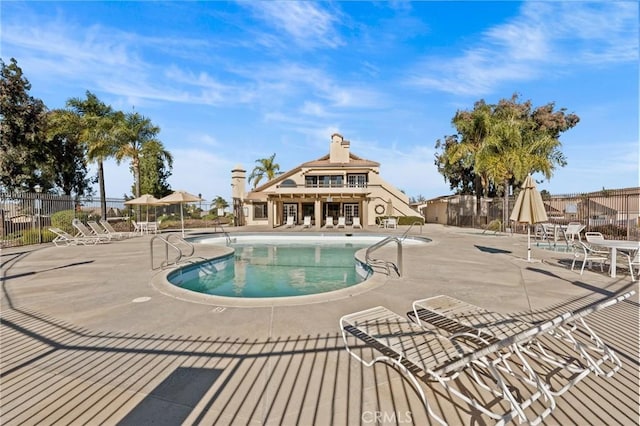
266,167
516,146
137,137
219,203
97,122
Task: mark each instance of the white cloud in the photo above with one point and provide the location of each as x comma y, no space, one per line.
544,38
305,23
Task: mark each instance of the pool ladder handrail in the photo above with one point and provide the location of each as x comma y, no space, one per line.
417,222
216,224
379,262
180,254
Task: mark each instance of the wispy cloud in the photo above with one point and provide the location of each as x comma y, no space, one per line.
545,36
306,23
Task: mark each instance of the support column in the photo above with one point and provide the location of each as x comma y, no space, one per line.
364,220
271,212
317,212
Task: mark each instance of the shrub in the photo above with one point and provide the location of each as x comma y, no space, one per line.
30,236
63,219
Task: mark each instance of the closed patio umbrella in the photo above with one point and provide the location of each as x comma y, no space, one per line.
529,209
180,197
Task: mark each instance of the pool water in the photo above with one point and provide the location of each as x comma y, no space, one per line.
276,270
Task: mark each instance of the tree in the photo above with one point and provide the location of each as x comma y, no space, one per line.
138,138
218,203
456,162
67,163
501,144
266,167
155,169
98,131
522,141
23,152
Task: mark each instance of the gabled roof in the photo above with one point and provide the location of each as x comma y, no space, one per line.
354,161
322,162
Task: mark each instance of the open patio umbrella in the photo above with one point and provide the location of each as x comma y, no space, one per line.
145,200
180,197
529,209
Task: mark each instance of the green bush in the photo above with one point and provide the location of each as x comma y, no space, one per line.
30,236
402,220
63,219
410,220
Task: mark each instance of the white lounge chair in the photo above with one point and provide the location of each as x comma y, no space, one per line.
100,231
83,231
341,222
328,223
475,345
111,231
437,359
290,222
582,351
307,222
63,238
356,222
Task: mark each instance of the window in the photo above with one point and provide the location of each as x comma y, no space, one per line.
357,181
326,181
260,210
289,183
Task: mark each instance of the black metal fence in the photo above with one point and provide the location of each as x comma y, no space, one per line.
614,213
26,217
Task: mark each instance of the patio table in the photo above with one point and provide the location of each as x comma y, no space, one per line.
614,246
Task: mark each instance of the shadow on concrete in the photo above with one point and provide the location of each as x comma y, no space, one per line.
491,250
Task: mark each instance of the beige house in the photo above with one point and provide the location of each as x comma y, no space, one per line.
337,185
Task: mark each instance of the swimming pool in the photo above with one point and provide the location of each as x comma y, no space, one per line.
276,266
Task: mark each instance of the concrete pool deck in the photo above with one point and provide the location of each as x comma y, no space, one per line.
86,338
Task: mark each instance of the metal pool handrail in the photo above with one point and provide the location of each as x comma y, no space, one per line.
175,246
417,222
382,243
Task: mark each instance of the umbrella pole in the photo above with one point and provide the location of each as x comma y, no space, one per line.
182,220
528,242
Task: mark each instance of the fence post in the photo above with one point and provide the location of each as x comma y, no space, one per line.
38,189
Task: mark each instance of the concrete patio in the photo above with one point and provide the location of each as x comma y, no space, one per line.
87,338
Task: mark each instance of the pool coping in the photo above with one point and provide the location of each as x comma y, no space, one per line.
161,283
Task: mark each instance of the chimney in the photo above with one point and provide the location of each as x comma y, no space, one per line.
339,149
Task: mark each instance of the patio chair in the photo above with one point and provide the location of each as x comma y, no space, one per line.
573,230
290,222
586,252
83,231
391,222
356,223
328,223
433,358
63,238
632,258
138,228
306,222
593,237
111,231
341,222
571,329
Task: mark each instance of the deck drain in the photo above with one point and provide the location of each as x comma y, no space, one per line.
141,299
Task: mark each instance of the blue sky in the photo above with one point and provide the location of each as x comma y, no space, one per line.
232,82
